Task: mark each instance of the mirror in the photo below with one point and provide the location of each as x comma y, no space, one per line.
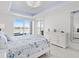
75,26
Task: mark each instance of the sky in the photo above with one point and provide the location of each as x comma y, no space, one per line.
19,22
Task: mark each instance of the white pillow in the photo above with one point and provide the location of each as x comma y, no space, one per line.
3,40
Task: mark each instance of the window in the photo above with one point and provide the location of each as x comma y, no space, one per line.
22,26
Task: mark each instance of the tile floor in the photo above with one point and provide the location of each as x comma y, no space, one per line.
57,52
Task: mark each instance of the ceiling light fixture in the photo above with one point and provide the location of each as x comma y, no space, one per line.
33,4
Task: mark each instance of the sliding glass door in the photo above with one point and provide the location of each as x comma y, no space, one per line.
22,26
40,27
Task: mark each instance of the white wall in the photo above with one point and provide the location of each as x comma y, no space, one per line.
6,20
59,18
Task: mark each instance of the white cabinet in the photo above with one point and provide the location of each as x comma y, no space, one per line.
59,39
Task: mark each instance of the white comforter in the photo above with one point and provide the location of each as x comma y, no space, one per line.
25,46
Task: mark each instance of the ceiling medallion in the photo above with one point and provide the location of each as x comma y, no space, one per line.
33,4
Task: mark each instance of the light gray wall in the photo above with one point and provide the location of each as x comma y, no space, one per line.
59,18
6,19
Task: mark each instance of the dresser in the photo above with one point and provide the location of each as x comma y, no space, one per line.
59,39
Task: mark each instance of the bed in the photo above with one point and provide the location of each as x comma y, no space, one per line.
26,46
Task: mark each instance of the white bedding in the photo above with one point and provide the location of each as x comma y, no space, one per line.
25,46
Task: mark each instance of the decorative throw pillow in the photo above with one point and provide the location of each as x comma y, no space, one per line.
3,40
8,38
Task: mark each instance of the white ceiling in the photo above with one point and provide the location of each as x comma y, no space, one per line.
4,6
23,8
